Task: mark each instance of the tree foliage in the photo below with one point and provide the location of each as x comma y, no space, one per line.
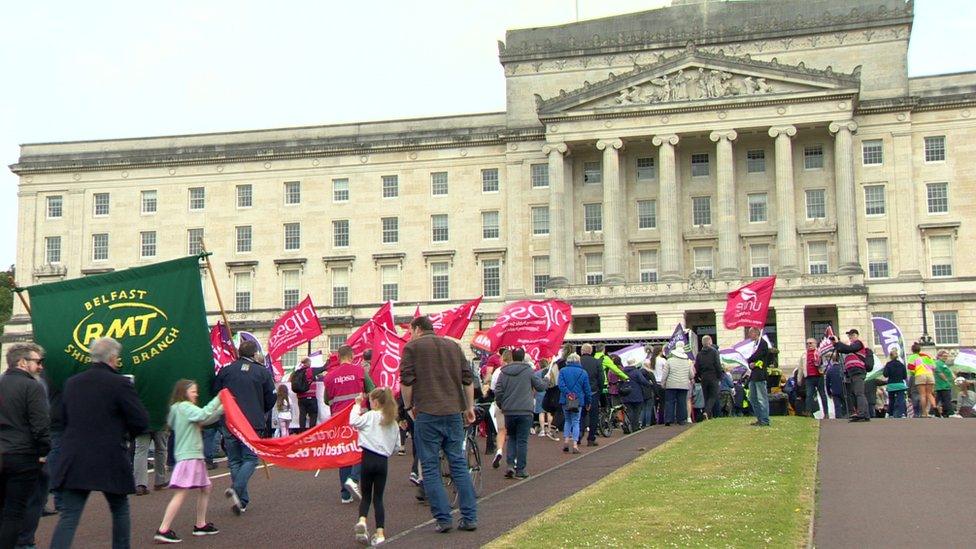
6,297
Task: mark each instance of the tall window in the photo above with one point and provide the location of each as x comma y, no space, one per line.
816,203
593,172
340,233
147,244
100,247
340,190
55,206
937,195
647,265
489,180
540,176
759,259
149,202
244,239
593,217
940,255
390,276
813,157
391,230
703,261
293,192
758,208
877,258
701,210
293,236
289,360
391,186
438,183
245,196
194,241
817,260
101,201
198,198
489,225
646,214
874,200
699,164
242,292
290,288
540,273
594,268
756,161
440,281
340,287
935,149
491,276
946,327
540,220
872,152
52,249
438,228
645,168
337,340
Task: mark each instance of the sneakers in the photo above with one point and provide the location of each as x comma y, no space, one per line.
443,527
353,487
497,460
521,476
414,479
377,539
362,534
207,529
235,502
467,526
345,500
142,490
510,473
168,536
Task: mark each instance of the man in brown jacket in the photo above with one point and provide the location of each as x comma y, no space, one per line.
436,387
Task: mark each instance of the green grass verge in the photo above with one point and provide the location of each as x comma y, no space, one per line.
722,483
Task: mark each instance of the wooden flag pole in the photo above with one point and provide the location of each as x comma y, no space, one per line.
19,292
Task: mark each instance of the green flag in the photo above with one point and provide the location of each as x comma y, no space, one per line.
156,312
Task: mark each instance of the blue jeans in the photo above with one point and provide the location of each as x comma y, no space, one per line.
517,446
896,403
815,387
759,400
647,413
434,435
675,405
345,473
242,462
74,503
571,424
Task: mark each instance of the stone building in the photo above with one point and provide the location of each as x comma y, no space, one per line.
645,165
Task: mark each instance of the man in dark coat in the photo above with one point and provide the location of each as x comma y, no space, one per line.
594,371
102,414
709,371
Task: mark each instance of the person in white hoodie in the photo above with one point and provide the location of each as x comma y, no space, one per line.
678,373
379,436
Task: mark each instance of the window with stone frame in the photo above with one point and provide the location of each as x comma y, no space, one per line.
100,247
647,266
758,207
645,168
52,250
491,276
244,239
874,200
198,198
55,206
242,292
699,165
489,180
593,172
540,220
816,203
439,228
245,196
438,183
293,192
391,186
813,157
756,161
701,210
391,230
290,286
946,327
940,255
337,340
289,361
101,203
194,241
935,148
872,152
293,236
340,233
540,176
149,202
646,214
540,274
390,282
759,260
592,217
489,225
703,262
878,258
937,197
440,280
817,258
340,190
147,248
594,268
340,287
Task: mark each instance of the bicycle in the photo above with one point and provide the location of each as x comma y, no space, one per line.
611,418
469,446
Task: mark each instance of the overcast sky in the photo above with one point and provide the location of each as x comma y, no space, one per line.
98,69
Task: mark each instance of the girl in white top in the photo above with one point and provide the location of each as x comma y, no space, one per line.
379,436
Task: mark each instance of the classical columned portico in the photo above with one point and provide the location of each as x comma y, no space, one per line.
728,231
844,181
785,200
668,213
559,231
613,208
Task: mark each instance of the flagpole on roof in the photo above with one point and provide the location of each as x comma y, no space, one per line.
205,255
20,294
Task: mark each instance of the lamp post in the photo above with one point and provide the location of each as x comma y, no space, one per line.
925,340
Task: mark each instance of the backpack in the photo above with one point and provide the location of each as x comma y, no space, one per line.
868,358
299,381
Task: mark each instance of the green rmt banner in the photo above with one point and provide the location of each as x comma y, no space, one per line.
156,312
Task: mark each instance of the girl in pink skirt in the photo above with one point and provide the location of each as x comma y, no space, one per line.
186,420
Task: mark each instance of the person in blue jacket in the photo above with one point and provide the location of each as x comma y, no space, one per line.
574,397
634,397
836,389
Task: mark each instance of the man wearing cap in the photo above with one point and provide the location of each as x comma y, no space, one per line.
854,354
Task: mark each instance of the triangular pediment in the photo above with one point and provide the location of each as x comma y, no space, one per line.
692,78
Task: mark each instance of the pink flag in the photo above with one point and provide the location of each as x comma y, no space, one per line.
385,366
749,305
293,328
536,326
223,347
362,338
453,322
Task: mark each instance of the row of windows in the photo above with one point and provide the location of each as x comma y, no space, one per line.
946,325
872,150
940,257
936,199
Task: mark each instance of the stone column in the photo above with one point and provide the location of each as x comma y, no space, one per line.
785,201
909,245
844,183
558,232
669,218
614,212
728,228
515,228
790,334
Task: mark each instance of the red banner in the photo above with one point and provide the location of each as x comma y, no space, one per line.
453,322
536,326
222,346
330,445
749,305
385,365
293,328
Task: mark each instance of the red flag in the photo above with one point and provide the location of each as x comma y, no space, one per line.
536,326
749,305
406,325
293,328
453,322
330,445
385,366
223,347
362,338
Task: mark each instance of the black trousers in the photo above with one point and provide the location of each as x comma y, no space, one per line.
944,398
18,481
372,482
308,413
592,418
710,391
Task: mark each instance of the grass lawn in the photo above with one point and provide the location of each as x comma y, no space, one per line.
722,483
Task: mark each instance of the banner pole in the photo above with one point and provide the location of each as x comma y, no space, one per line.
19,292
213,280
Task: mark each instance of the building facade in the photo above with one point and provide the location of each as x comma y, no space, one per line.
646,164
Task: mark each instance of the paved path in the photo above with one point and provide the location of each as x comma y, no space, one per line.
295,509
896,483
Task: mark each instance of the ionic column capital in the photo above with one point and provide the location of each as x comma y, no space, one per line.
669,138
718,135
839,125
560,148
776,131
615,143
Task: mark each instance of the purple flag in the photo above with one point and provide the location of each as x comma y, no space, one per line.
891,338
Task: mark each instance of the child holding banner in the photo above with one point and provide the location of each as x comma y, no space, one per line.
186,420
379,436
